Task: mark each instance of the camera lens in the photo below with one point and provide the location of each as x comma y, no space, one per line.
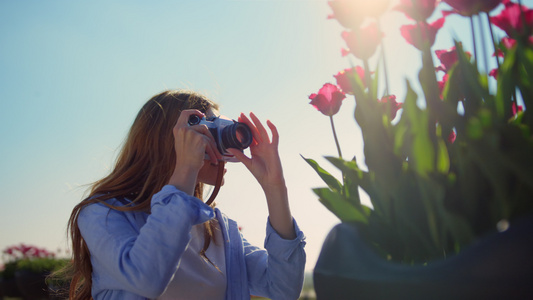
238,136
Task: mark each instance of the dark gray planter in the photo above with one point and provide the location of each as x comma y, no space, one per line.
497,266
32,285
9,288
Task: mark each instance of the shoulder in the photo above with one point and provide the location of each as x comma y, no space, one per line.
94,205
103,209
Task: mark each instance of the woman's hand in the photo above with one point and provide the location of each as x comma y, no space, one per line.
191,143
265,166
265,163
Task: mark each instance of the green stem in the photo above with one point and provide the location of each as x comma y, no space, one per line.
368,80
345,186
335,136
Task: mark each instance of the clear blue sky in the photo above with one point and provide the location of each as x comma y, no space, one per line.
74,74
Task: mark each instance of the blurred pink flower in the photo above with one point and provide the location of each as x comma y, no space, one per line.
418,10
516,108
442,83
390,104
25,251
472,7
351,13
421,33
510,20
452,136
344,78
494,73
363,42
328,100
448,58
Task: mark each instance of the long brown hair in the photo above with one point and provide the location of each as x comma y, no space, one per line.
143,166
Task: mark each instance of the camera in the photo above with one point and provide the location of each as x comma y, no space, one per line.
227,133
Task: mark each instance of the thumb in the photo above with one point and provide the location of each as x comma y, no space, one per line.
239,155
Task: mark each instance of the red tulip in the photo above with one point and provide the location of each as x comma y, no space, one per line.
351,13
472,7
494,73
422,34
390,104
510,20
448,58
516,108
328,100
442,83
363,42
418,10
452,136
508,42
344,78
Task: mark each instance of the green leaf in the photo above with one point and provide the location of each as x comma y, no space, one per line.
506,85
344,210
525,80
353,178
402,138
443,158
474,128
375,83
358,87
471,84
422,154
430,87
329,179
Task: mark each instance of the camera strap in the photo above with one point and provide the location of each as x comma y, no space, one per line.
220,175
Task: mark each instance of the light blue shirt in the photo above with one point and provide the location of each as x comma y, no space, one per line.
135,254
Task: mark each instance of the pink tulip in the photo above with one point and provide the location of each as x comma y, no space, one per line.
422,33
510,20
344,78
390,103
328,100
516,108
472,7
351,13
448,58
364,42
418,10
452,137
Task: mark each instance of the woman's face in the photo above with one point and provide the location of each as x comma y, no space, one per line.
208,172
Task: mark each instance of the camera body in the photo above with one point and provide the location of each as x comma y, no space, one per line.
227,134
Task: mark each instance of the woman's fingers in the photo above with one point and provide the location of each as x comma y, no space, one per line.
240,156
208,144
260,128
183,120
255,134
275,134
259,131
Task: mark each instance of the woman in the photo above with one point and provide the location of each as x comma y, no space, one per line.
144,233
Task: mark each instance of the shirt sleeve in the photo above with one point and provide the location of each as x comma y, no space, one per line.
141,260
276,272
